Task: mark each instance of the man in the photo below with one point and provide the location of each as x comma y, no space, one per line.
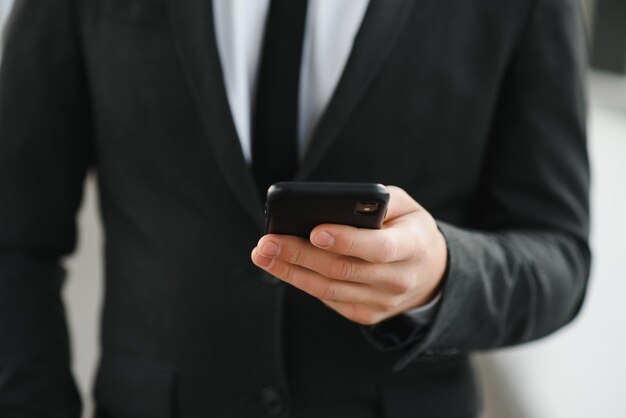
473,109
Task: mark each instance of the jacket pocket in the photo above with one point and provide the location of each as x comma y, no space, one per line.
147,12
127,387
440,389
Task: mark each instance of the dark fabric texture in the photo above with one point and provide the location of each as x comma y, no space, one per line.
475,107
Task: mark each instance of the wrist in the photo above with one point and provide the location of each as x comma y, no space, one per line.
437,271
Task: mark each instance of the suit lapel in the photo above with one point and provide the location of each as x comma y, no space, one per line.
192,21
194,33
381,26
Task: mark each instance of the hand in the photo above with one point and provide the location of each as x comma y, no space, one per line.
365,275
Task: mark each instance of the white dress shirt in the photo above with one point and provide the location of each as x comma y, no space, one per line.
329,32
330,29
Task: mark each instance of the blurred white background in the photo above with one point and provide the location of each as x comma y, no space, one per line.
5,6
579,372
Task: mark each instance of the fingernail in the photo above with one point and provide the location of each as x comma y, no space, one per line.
261,260
323,239
270,249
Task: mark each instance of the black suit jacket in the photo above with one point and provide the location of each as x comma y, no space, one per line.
475,107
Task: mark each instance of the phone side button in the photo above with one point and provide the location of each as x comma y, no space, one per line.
269,280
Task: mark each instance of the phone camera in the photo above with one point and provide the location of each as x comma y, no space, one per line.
366,207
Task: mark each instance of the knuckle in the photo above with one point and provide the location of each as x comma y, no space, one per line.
287,273
388,303
342,270
367,317
329,292
297,256
346,310
401,284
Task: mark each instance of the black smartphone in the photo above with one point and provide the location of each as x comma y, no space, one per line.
295,208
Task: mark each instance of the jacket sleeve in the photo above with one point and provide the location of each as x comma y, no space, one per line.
521,272
44,155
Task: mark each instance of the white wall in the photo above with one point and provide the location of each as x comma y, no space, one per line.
5,6
579,372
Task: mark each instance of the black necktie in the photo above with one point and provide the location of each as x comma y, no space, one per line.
274,136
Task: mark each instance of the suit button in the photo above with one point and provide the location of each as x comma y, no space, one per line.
269,280
272,401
